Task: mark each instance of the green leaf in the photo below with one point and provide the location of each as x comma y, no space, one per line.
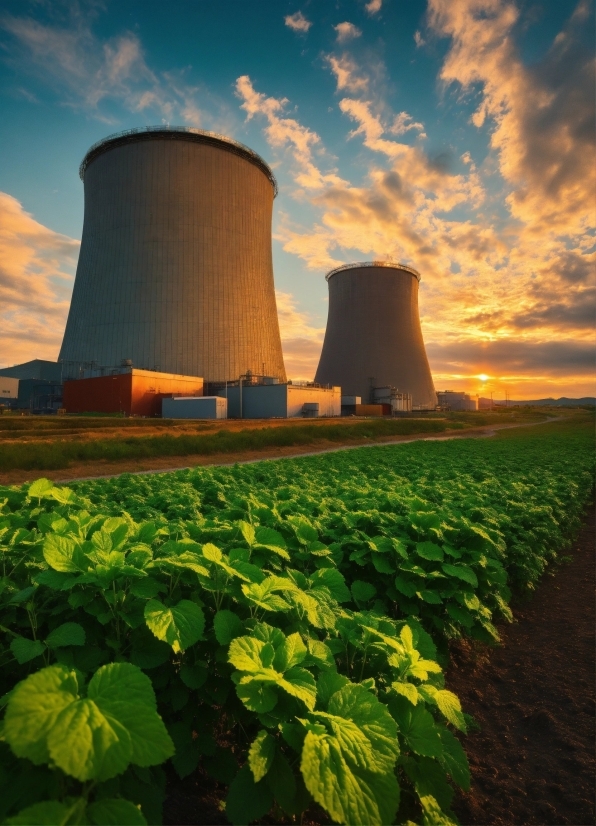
271,540
145,588
432,813
429,596
429,778
245,654
305,532
256,696
180,625
263,594
407,690
300,683
418,728
459,614
226,625
25,650
282,783
260,754
115,812
33,709
70,633
461,572
248,532
362,591
347,792
430,551
48,813
332,579
450,707
454,760
63,554
95,737
290,653
408,589
247,800
39,488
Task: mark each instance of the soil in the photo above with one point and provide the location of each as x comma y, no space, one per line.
532,758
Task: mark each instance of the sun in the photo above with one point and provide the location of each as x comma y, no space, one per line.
483,377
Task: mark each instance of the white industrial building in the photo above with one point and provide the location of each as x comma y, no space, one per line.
281,400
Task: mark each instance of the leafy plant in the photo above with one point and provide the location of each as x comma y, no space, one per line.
282,625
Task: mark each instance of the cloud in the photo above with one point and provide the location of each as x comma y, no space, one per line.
301,342
346,73
403,123
92,74
347,31
374,6
540,118
36,275
297,22
418,39
284,132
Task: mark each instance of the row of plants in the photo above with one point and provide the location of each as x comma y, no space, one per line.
281,625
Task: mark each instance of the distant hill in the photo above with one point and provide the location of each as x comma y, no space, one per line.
562,402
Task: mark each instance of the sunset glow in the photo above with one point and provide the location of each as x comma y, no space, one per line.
456,137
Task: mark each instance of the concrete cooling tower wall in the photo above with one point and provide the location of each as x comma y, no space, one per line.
175,269
373,336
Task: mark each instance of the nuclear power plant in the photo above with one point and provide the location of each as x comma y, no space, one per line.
175,271
373,341
174,293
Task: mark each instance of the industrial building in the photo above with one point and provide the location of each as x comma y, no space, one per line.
36,386
128,391
194,407
454,400
266,398
373,337
175,270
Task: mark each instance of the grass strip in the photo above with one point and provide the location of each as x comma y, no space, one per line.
57,455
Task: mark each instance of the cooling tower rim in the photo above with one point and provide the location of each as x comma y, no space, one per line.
361,264
188,133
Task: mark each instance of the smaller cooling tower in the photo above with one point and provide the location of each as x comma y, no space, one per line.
373,336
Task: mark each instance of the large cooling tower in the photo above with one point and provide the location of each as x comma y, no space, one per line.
373,336
175,269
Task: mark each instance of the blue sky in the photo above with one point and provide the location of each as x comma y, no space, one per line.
456,137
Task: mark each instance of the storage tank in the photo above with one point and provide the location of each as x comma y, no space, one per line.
175,271
373,336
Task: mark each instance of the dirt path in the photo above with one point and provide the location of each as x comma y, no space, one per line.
533,759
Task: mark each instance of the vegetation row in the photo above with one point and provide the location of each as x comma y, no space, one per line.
281,626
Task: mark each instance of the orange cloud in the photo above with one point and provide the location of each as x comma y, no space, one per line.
36,275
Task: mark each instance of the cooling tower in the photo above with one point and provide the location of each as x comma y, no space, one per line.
373,336
175,269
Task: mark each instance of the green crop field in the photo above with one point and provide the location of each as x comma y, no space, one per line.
282,624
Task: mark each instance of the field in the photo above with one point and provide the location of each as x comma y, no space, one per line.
282,628
116,445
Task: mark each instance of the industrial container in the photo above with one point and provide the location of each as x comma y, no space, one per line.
350,401
368,409
194,407
175,270
128,391
373,335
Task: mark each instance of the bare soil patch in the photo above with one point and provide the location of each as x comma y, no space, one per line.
533,760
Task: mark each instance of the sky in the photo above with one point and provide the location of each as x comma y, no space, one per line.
455,136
